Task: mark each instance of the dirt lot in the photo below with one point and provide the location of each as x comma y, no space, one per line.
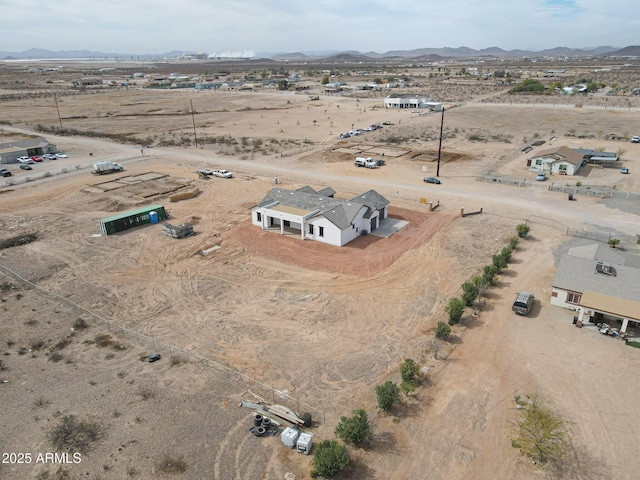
324,325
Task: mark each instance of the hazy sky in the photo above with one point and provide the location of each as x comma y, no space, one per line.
157,26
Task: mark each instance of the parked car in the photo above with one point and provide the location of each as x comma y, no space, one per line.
50,156
635,139
24,160
36,159
433,180
4,172
624,170
523,303
154,357
25,166
61,155
541,177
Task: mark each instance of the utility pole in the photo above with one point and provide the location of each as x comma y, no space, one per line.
55,98
194,123
440,144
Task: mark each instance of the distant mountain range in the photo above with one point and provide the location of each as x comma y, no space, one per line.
418,54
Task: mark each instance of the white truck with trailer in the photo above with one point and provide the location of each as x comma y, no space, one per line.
101,168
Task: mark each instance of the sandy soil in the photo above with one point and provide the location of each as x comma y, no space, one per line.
322,324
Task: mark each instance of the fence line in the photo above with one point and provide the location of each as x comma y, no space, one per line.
161,347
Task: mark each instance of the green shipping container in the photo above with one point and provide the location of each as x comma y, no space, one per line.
132,218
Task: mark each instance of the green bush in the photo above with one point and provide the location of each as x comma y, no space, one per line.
443,330
387,394
354,429
455,309
329,459
522,230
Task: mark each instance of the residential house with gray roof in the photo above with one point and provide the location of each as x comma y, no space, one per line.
317,215
599,283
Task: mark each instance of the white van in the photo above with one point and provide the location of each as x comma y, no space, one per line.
367,162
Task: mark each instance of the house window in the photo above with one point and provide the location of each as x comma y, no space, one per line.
321,231
258,216
573,298
562,167
539,162
310,229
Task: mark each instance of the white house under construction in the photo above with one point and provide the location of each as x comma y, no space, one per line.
318,216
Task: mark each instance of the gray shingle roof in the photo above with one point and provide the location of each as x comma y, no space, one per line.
339,212
579,274
371,199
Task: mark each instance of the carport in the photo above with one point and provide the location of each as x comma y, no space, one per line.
599,304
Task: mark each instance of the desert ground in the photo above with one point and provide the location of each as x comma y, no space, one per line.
321,324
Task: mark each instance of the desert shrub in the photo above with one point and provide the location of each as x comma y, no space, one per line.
104,340
329,459
80,324
176,360
61,345
146,393
37,345
73,435
55,357
354,429
172,465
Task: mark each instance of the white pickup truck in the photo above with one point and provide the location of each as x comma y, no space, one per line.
223,173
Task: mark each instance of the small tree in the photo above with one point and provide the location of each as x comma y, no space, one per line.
325,79
489,274
614,242
409,370
455,309
513,242
539,432
522,230
329,458
470,292
443,330
500,262
354,429
506,253
388,393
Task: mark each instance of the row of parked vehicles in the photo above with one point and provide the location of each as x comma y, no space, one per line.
359,131
26,162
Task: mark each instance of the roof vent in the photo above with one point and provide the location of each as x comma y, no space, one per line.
605,268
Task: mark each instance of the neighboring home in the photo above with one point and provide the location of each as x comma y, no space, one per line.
406,101
89,81
599,283
561,160
10,151
318,216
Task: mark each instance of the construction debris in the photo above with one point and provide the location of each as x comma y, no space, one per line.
180,231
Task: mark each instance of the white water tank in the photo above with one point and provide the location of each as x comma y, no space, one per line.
305,441
289,437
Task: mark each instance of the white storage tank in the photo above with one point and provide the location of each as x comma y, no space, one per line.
304,443
289,437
